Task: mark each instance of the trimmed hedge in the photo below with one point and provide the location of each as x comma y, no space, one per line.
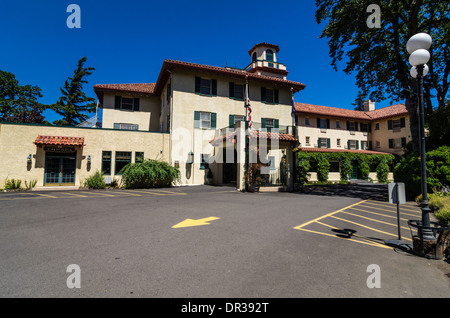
149,174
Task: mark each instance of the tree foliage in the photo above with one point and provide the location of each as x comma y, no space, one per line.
378,56
149,174
19,103
74,104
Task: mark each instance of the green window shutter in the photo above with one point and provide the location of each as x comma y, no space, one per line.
328,143
136,104
276,123
357,145
348,125
318,122
263,94
196,119
328,125
362,145
214,87
276,96
263,123
402,122
348,144
403,141
197,84
231,121
390,124
117,102
213,120
231,89
356,126
318,143
391,143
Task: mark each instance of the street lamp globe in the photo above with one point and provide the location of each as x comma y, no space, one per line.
419,41
419,57
414,73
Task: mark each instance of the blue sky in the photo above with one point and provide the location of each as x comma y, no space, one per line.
127,42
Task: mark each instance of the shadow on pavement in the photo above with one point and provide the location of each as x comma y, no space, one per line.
364,191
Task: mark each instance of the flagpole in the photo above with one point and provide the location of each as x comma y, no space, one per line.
246,130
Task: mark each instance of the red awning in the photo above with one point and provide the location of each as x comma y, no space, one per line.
59,141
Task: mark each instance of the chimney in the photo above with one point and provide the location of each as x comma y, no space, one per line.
369,105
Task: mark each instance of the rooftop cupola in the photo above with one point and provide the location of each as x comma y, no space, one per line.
264,61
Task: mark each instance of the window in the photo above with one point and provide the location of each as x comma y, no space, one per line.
364,127
236,91
377,126
122,159
377,144
323,143
269,57
233,119
323,123
307,140
338,125
334,166
126,103
352,126
254,57
138,157
306,121
353,144
269,95
205,86
338,142
403,141
363,145
396,124
122,126
106,162
204,161
205,120
269,123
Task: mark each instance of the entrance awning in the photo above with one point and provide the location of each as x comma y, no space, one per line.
59,141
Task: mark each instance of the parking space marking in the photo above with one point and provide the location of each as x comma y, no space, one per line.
45,195
389,205
100,194
393,211
358,210
76,195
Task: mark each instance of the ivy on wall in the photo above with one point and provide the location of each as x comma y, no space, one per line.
346,160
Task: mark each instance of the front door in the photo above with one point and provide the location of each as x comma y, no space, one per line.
354,172
59,169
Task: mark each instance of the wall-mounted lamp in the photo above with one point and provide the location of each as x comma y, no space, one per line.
29,158
89,160
190,157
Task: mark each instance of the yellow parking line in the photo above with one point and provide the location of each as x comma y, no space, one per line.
326,215
374,220
392,206
347,239
92,194
149,192
127,192
388,216
77,195
363,238
372,207
46,195
367,227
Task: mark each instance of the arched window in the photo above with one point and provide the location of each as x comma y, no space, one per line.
269,57
254,57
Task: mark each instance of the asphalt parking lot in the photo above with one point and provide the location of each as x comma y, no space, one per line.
208,241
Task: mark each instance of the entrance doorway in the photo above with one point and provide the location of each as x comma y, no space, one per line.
60,169
354,172
229,168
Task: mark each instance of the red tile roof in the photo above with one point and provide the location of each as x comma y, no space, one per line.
60,141
368,152
381,113
273,46
142,88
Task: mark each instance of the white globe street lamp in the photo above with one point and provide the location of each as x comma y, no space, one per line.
418,46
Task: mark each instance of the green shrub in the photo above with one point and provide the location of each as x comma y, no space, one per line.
149,174
346,168
363,166
13,184
95,181
30,185
382,171
323,168
443,215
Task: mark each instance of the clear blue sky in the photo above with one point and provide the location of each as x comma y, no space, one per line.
127,42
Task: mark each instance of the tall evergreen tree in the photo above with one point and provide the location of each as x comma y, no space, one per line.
74,104
19,103
359,101
378,56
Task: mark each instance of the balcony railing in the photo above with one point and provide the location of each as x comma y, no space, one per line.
258,127
266,63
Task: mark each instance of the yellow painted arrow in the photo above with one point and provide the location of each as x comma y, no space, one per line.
191,222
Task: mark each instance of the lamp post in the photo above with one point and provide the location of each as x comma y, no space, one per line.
418,46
